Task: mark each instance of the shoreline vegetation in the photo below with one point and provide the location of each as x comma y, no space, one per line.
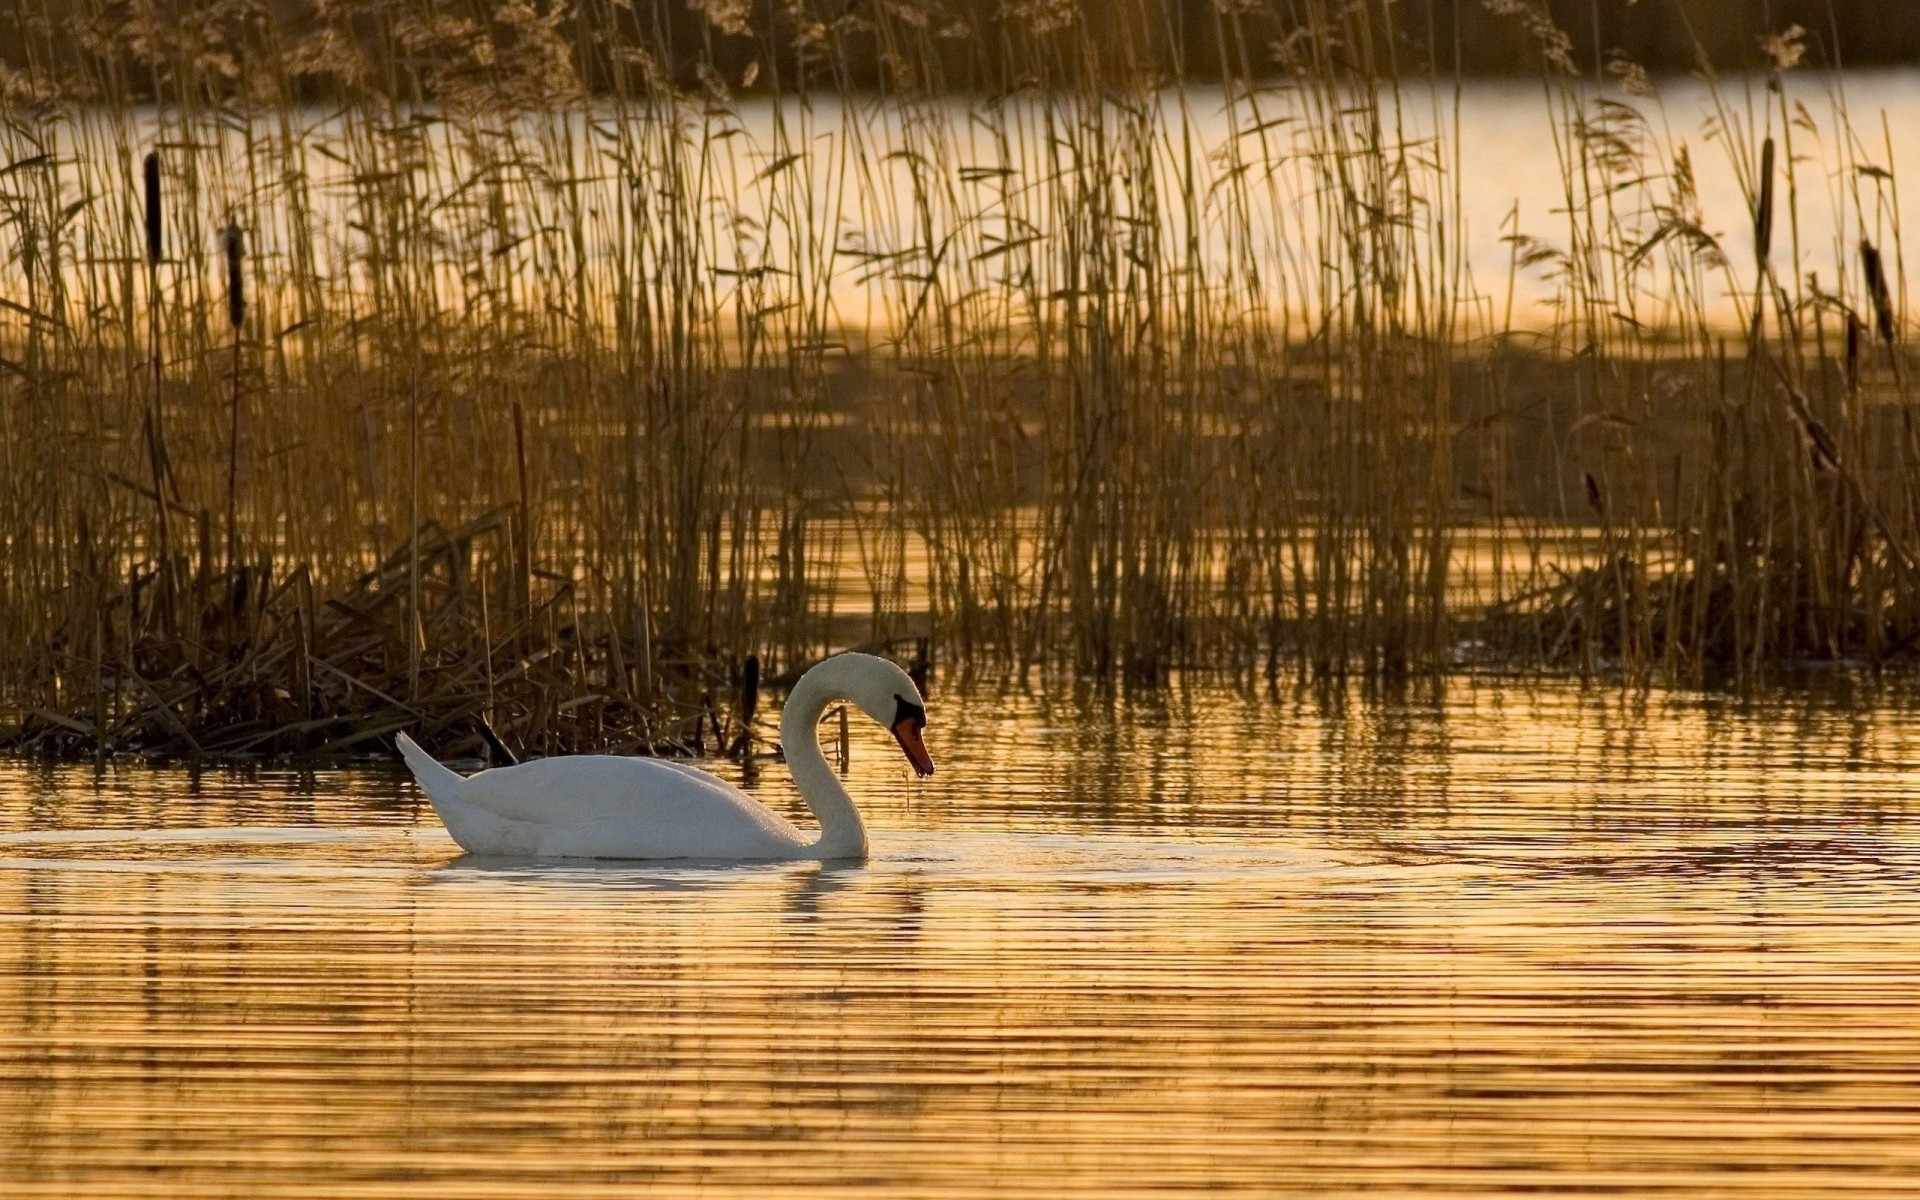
489,372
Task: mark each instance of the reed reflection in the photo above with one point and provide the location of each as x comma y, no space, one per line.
1456,936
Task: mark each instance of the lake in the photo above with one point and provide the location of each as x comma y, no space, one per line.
1494,168
1479,936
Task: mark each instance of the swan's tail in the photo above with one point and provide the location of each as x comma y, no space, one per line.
439,783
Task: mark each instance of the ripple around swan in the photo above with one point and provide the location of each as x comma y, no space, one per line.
1484,940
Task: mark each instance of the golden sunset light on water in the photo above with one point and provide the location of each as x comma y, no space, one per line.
1502,934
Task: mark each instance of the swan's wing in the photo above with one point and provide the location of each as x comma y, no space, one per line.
576,791
694,772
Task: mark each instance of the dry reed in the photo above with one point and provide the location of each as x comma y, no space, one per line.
1010,342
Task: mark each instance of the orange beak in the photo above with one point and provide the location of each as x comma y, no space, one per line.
907,733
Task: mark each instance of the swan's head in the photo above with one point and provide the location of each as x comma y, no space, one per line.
883,691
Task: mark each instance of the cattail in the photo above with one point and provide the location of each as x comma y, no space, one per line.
750,690
1855,332
749,705
236,279
154,246
1877,288
236,316
1763,212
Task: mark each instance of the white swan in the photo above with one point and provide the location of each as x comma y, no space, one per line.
607,806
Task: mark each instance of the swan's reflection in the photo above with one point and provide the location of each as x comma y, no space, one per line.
603,875
813,884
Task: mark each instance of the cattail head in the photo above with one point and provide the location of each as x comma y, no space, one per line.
749,690
236,278
154,246
1763,208
1856,333
1877,289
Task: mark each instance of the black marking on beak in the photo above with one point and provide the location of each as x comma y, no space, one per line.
906,710
908,720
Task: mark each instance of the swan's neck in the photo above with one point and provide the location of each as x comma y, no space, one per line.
842,833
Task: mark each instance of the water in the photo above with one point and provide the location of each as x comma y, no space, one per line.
1487,163
1483,938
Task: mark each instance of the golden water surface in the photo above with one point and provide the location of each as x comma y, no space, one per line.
1477,939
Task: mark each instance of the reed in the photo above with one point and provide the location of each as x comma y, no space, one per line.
589,353
236,320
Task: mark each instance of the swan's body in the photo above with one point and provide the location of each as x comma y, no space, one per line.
605,806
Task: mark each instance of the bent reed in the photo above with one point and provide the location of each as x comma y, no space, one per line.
513,373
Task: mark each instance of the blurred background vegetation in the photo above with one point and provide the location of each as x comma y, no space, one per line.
964,43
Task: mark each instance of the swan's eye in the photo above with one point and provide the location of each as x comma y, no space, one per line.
906,710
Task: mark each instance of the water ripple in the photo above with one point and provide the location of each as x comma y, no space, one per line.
1484,940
